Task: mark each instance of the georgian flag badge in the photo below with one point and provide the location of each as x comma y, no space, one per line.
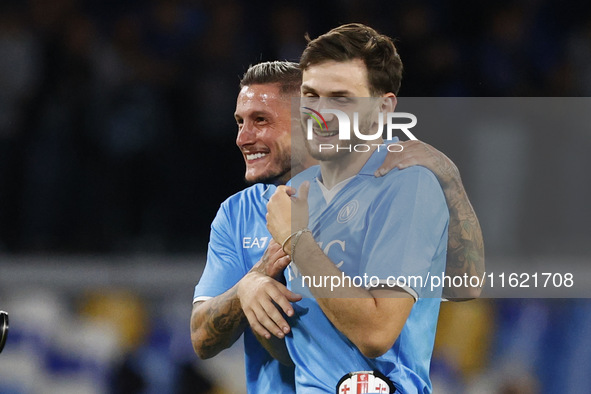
365,382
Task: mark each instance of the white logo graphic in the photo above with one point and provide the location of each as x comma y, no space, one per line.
348,211
254,242
345,124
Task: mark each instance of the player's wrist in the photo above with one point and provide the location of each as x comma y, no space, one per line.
296,239
286,244
290,241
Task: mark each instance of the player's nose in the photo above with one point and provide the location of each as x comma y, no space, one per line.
246,135
325,103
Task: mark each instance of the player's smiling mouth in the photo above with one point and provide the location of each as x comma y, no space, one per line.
329,133
254,156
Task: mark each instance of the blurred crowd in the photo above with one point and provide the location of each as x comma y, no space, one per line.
116,126
118,342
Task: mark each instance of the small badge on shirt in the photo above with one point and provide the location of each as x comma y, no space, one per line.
366,382
348,211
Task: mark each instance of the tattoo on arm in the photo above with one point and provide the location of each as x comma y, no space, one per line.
465,250
222,321
446,169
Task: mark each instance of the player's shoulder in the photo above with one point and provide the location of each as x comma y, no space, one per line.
307,175
250,194
417,178
416,172
249,201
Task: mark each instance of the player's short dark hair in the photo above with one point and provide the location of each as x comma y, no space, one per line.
357,41
287,74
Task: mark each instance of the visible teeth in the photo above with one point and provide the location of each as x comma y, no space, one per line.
255,156
327,134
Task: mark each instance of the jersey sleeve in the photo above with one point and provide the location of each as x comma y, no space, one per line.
407,233
225,265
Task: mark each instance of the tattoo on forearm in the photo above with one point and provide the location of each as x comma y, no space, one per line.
223,322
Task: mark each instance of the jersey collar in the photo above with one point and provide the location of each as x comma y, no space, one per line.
377,158
268,192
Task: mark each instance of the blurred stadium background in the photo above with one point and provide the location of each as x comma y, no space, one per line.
117,147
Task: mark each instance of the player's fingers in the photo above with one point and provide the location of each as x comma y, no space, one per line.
273,246
390,162
303,192
255,325
406,163
263,313
281,189
273,252
393,157
276,255
281,300
279,265
283,262
290,190
290,295
273,312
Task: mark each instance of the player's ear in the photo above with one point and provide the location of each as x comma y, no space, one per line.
389,102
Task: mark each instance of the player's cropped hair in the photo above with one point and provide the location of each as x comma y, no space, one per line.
357,41
287,74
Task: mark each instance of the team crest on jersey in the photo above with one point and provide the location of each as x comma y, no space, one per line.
366,382
348,211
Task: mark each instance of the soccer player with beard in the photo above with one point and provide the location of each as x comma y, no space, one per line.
239,237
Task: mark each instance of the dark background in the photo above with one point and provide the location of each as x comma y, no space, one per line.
116,126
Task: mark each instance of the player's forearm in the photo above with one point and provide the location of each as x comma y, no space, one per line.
465,248
216,324
354,311
372,324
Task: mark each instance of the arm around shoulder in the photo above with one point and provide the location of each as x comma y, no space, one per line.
465,250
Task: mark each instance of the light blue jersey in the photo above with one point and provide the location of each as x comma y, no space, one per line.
394,226
238,239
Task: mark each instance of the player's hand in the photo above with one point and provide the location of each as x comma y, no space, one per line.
286,212
273,262
416,152
262,299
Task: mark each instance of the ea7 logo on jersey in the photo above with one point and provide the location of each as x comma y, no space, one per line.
348,211
254,242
